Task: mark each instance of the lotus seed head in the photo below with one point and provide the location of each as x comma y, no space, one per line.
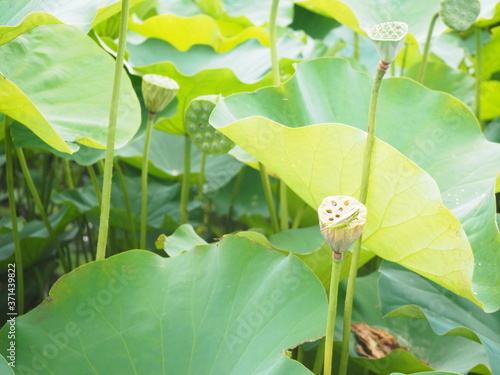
388,38
342,220
205,146
158,91
208,136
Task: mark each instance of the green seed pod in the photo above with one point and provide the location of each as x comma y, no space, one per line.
158,91
342,220
388,37
202,134
459,14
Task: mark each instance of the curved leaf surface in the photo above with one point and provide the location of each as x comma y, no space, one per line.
255,12
440,77
21,16
202,71
435,130
321,160
221,308
405,294
62,89
425,349
308,245
184,33
362,14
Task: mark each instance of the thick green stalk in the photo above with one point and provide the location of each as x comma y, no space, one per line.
298,215
68,175
234,194
110,144
185,180
423,65
276,81
403,63
40,208
273,44
13,216
367,157
128,207
201,178
356,46
95,183
266,185
332,311
144,180
478,74
283,205
318,361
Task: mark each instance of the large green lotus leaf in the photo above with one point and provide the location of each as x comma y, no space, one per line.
489,58
166,160
362,14
444,353
322,160
405,294
435,130
20,16
490,97
440,77
34,238
246,12
183,239
62,88
24,137
183,33
308,245
222,308
202,71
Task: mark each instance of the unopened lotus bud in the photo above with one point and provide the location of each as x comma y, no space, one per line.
158,91
388,37
459,14
342,219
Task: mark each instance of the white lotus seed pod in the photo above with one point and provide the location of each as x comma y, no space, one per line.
388,37
342,220
158,91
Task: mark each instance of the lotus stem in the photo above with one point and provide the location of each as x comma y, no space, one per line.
367,158
201,179
266,185
185,180
318,361
423,64
478,74
276,81
332,310
41,209
144,180
110,143
128,207
95,183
